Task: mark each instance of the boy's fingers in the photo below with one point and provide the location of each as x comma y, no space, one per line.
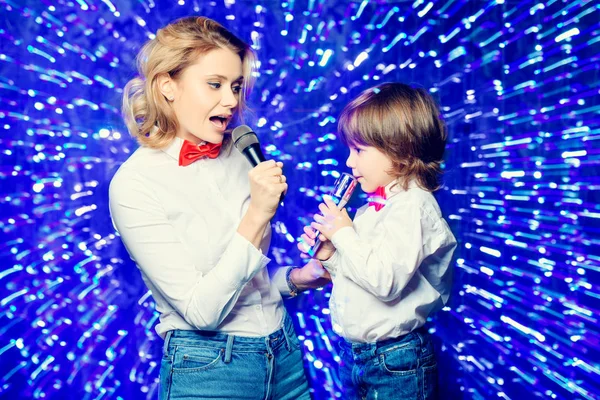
330,203
307,241
309,232
323,208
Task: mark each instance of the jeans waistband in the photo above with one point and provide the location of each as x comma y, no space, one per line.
418,336
231,342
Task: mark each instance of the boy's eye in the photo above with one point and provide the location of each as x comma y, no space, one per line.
215,85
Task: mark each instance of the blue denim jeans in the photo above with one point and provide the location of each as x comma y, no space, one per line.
401,368
214,365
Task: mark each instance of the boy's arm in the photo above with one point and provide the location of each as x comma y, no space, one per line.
386,270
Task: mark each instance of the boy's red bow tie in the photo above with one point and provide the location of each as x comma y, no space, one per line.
377,198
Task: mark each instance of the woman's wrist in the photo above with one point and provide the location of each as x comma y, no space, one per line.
258,216
295,280
252,226
294,290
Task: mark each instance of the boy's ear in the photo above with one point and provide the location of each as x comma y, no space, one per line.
166,85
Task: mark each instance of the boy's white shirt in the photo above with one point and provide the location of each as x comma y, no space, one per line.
392,269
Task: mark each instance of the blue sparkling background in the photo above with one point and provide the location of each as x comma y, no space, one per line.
519,85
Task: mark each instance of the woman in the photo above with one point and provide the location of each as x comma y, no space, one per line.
195,218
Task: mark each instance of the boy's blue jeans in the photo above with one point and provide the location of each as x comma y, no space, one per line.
213,365
402,368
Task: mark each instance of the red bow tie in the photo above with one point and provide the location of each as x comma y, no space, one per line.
190,152
377,198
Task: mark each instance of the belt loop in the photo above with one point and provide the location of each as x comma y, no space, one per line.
373,349
229,348
420,336
166,343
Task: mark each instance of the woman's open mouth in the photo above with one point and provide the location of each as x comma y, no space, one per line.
220,121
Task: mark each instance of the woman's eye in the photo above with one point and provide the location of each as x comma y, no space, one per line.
215,85
236,89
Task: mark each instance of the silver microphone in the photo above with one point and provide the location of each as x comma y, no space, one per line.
341,193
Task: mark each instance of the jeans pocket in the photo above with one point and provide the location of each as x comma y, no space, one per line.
196,359
399,361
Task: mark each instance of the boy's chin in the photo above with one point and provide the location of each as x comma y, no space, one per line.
367,188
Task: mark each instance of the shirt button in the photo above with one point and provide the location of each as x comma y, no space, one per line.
258,307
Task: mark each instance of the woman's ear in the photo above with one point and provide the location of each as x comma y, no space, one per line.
166,85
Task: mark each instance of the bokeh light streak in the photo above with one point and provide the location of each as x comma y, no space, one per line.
519,85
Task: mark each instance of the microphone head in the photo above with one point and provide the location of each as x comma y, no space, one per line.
343,188
243,136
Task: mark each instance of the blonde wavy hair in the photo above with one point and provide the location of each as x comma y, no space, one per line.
405,124
147,113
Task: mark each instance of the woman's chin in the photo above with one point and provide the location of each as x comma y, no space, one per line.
208,137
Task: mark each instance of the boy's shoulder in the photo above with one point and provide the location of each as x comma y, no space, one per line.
418,200
414,194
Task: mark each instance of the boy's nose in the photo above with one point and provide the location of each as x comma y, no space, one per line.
349,162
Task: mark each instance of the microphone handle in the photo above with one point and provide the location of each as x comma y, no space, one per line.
315,247
255,156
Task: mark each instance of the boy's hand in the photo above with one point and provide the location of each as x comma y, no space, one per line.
309,237
332,219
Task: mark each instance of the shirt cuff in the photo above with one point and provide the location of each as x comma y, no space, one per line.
279,280
331,262
243,253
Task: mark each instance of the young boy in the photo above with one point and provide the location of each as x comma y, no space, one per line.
390,266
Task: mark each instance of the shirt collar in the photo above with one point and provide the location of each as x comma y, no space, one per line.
174,148
395,187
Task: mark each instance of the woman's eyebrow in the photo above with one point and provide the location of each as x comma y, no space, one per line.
240,78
